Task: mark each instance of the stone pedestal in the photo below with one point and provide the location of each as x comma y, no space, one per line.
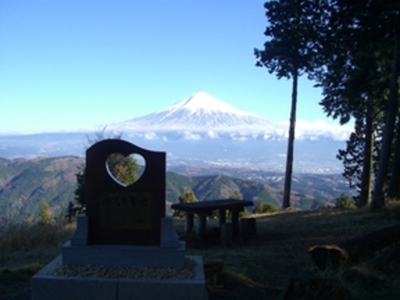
46,286
170,253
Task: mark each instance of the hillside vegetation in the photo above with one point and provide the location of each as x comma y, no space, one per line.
26,183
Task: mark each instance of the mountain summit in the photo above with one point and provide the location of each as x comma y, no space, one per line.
201,102
200,112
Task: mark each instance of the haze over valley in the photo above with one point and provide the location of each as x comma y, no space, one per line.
204,132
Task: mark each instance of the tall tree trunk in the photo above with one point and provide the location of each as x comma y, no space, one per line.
366,177
289,156
394,186
378,199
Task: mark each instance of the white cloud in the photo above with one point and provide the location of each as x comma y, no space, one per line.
239,138
150,136
212,134
316,129
191,136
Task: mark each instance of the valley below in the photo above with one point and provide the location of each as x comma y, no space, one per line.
27,182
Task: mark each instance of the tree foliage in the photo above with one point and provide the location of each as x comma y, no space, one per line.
237,195
352,49
291,47
188,196
123,168
80,189
262,208
359,161
45,215
345,202
358,81
290,50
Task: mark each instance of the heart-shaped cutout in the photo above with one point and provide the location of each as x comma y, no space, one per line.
125,170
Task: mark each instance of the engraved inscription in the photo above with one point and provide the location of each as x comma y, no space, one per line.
126,211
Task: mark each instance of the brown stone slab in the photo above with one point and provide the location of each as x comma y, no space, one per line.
208,206
117,214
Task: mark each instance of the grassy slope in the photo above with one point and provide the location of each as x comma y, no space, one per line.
281,248
254,269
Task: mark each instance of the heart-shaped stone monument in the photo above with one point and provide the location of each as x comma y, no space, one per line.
120,213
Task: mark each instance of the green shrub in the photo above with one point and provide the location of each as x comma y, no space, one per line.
345,202
45,215
262,208
187,197
269,208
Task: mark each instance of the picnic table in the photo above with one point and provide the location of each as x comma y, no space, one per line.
204,208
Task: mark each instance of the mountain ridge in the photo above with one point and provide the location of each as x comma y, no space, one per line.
201,115
200,112
25,183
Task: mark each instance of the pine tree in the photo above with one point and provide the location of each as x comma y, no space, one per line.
80,191
236,195
258,208
394,186
358,161
378,199
45,214
291,49
357,61
188,196
123,168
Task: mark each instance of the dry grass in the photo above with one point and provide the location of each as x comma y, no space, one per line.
25,248
281,249
27,241
256,269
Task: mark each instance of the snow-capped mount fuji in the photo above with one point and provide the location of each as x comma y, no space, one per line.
203,116
201,113
203,132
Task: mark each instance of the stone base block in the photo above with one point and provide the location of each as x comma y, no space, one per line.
47,286
122,255
54,287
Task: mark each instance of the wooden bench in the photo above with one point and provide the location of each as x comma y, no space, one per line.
205,208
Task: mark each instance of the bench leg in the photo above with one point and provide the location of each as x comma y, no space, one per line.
235,223
221,217
189,223
201,226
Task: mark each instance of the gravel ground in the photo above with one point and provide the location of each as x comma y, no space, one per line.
100,271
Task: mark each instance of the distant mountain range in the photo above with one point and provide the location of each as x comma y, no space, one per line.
202,131
25,183
201,113
203,116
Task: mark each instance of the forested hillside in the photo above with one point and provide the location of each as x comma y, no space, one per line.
26,183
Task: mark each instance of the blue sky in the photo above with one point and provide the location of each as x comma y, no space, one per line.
69,65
